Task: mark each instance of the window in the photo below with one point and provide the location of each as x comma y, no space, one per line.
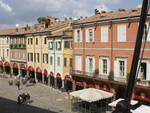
66,44
51,60
90,35
90,64
65,62
148,35
7,52
45,58
121,29
29,41
104,34
36,41
78,36
78,63
144,72
45,40
36,57
122,68
30,57
58,61
71,44
70,62
104,66
58,45
51,45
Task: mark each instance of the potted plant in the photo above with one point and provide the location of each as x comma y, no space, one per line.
15,45
111,76
24,45
19,45
11,46
96,72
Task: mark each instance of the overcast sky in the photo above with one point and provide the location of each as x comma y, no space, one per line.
24,12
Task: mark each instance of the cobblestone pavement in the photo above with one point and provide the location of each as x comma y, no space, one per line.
45,99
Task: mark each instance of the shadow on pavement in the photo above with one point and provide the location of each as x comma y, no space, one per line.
10,106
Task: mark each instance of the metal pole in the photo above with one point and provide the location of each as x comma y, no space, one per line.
132,77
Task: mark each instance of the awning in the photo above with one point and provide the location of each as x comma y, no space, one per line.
45,72
51,74
79,83
38,70
1,64
91,94
90,85
67,78
23,67
142,109
7,64
15,66
58,76
114,103
30,68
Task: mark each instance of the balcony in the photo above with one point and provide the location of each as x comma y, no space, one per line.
16,46
99,76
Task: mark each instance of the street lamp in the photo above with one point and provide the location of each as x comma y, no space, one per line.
3,59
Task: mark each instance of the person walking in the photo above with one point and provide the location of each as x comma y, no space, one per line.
18,84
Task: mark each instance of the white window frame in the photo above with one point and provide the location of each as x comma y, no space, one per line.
76,38
104,34
88,66
88,38
121,33
117,68
78,62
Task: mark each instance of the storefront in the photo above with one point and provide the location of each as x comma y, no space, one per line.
52,79
31,72
68,83
39,74
59,81
15,69
7,68
1,67
24,71
45,77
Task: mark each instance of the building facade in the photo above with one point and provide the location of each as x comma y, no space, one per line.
103,51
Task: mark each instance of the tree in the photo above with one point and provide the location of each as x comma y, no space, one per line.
41,19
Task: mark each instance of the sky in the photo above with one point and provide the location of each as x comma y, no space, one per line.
24,12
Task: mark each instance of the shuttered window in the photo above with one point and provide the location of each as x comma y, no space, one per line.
90,35
78,35
78,63
121,33
104,34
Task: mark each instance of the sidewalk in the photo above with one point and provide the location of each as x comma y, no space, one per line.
44,96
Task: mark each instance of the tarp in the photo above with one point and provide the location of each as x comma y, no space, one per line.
113,104
91,94
142,109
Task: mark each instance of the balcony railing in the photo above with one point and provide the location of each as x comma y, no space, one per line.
121,79
93,75
12,46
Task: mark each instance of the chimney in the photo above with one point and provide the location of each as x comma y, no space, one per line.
121,10
103,13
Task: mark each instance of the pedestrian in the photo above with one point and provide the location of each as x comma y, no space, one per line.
18,84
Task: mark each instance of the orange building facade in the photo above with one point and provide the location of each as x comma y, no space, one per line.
103,50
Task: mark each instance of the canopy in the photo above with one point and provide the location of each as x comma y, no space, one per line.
91,94
113,104
142,109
